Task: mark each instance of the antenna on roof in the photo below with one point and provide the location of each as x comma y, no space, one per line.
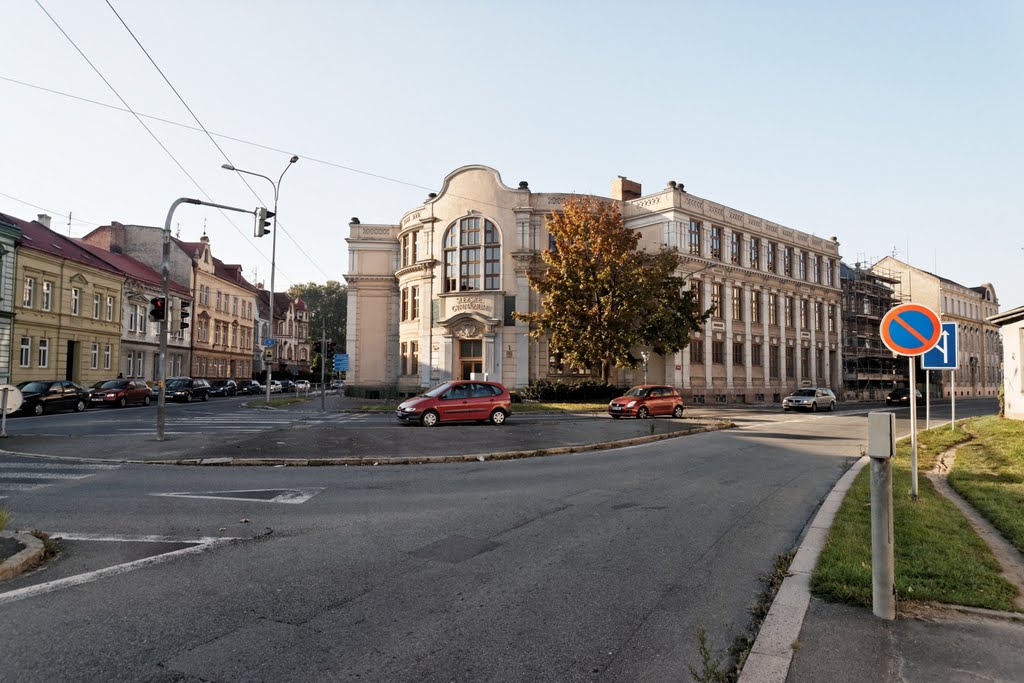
178,228
69,224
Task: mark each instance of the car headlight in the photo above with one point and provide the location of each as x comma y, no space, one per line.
631,404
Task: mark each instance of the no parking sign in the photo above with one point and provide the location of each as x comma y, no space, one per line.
910,329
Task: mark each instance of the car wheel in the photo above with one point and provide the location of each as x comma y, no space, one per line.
188,398
429,418
832,407
145,401
643,413
677,412
122,402
206,397
497,417
814,407
38,409
79,406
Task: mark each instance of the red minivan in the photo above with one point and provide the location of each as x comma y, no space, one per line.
458,401
647,400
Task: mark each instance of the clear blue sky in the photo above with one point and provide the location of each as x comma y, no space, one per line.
896,127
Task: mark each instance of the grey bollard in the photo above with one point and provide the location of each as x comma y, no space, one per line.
881,449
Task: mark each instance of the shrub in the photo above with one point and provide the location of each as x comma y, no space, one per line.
560,390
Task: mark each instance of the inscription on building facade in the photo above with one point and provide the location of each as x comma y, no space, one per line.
472,303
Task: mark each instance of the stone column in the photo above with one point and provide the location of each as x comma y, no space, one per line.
727,315
813,364
798,340
748,340
708,337
783,378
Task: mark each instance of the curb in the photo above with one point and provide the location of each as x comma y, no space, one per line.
772,652
24,559
433,459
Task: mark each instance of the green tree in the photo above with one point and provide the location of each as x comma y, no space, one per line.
602,296
328,307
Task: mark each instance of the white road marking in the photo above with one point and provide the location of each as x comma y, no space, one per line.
54,466
42,475
202,545
289,497
20,487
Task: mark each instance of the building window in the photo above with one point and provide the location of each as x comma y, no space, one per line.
819,362
755,306
737,353
234,336
790,362
414,357
403,350
716,299
234,305
44,353
816,268
406,250
773,362
698,294
755,355
110,308
142,316
132,317
770,257
788,309
805,364
76,300
718,352
26,352
414,302
716,242
803,314
693,238
773,309
463,257
801,263
28,299
107,354
696,350
405,303
735,247
129,360
755,253
831,318
737,304
817,316
47,295
787,261
96,306
94,356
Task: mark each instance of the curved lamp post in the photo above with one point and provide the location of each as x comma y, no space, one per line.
273,244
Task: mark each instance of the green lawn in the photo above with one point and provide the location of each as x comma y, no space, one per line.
989,473
937,555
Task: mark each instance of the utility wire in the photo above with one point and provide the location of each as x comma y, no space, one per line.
56,214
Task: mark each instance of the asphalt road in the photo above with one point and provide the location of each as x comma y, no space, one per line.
582,567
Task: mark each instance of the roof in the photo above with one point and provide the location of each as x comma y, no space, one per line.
1008,317
231,272
35,235
132,268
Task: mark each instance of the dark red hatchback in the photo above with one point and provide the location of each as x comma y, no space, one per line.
458,401
118,393
647,400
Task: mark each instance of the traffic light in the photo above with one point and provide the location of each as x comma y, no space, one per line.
316,347
330,347
157,308
268,354
183,315
262,216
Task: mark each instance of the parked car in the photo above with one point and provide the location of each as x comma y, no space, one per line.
117,393
810,398
187,389
154,389
458,401
901,397
338,385
302,385
647,400
223,387
287,386
49,396
248,386
275,386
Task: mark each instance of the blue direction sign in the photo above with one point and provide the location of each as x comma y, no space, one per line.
268,342
910,329
943,355
341,362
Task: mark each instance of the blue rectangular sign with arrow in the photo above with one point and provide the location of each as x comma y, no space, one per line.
943,355
340,362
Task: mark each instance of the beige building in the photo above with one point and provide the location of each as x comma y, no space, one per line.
1012,324
431,298
67,320
291,349
979,351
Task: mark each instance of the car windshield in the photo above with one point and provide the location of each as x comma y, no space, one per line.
804,392
219,383
110,384
438,390
636,391
33,387
177,384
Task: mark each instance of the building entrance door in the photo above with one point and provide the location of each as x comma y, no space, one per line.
471,357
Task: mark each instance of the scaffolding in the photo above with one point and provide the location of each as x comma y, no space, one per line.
870,369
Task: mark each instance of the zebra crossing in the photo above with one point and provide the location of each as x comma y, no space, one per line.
29,475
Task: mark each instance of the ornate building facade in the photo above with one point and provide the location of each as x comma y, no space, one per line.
431,298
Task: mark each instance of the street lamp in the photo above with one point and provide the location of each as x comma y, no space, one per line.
273,244
646,355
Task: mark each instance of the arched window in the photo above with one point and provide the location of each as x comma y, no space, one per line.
472,256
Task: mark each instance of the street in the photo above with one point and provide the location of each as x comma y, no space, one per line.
590,566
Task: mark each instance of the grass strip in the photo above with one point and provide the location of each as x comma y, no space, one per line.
989,474
938,556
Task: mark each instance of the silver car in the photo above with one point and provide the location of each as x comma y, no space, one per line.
810,398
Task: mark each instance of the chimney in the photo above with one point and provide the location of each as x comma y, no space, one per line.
624,189
44,219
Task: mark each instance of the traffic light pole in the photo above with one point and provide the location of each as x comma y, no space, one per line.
165,276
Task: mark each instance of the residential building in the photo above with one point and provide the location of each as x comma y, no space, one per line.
870,370
1012,325
431,297
979,351
291,348
67,321
10,235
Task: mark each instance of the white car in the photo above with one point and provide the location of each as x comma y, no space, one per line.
302,385
275,386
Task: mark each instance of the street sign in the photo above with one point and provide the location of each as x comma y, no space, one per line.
268,342
341,362
910,329
12,398
943,355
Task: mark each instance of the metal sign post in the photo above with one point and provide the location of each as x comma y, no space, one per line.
944,356
911,330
